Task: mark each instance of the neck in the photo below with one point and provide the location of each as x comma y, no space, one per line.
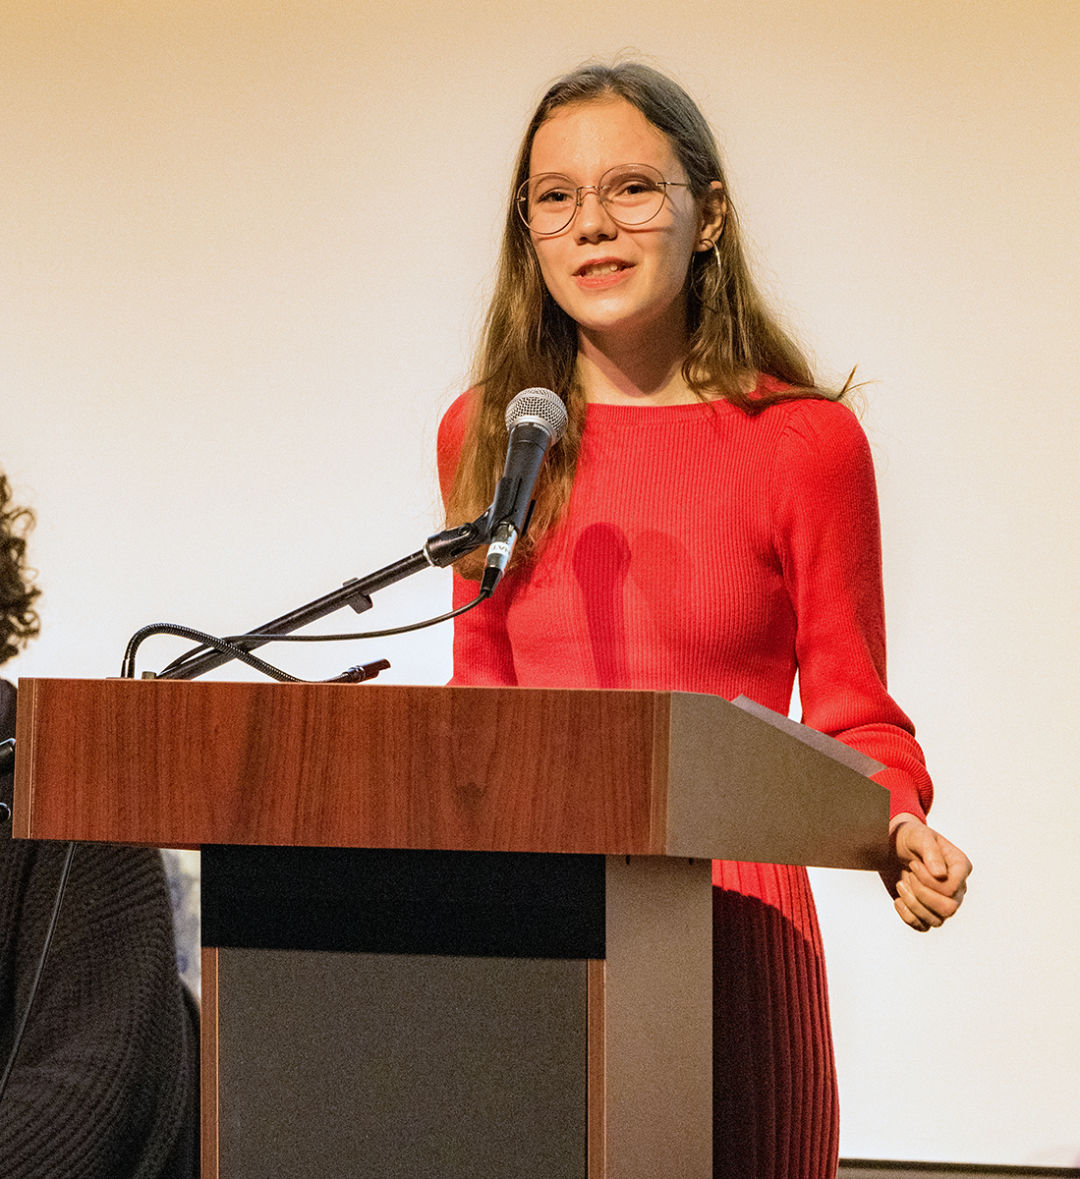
645,369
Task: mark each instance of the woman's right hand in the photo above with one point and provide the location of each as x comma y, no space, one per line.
927,875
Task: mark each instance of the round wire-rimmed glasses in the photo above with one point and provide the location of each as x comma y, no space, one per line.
632,194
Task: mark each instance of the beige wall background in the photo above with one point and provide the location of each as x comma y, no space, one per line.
234,308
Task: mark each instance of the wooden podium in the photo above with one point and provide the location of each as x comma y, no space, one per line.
447,931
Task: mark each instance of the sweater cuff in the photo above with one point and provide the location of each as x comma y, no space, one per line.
903,793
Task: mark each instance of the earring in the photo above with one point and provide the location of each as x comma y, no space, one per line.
705,280
709,243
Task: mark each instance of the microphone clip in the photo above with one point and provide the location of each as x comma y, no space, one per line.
446,547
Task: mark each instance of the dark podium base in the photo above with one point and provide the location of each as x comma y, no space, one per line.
412,1014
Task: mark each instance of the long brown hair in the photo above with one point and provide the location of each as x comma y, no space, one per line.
529,340
18,620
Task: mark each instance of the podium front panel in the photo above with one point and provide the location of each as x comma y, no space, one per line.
388,1066
470,1016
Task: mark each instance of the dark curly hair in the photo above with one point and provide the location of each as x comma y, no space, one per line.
18,620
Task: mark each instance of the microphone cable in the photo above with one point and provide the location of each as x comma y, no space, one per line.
232,644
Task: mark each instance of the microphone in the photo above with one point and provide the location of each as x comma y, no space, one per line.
535,419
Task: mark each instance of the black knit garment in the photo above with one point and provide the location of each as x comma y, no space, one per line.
105,1085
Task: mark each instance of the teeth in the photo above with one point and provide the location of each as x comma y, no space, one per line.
601,268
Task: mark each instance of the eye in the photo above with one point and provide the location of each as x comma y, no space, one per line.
553,191
629,185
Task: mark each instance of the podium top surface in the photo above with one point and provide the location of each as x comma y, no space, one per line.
174,763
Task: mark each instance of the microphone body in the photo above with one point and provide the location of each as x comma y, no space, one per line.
500,550
535,419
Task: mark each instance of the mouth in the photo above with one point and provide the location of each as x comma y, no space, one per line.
602,274
601,268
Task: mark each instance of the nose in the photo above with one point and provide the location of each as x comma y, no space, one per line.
594,222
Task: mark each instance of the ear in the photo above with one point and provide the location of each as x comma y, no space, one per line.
713,214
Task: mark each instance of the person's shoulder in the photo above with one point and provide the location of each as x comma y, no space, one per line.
451,437
7,710
821,443
461,407
821,422
455,421
797,410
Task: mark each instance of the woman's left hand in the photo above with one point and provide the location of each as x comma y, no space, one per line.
927,876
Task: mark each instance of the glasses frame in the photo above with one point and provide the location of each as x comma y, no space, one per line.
521,198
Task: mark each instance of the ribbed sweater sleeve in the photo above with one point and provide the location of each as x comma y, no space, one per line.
825,513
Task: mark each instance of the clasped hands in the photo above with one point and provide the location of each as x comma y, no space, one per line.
926,876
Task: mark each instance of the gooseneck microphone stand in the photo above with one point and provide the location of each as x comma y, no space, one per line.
440,550
535,419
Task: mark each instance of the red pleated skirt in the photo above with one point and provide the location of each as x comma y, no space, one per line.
777,1115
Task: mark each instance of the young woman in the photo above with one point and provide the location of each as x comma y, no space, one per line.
708,524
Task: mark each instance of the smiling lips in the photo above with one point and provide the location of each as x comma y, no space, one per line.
602,272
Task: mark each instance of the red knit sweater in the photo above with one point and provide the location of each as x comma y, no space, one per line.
705,550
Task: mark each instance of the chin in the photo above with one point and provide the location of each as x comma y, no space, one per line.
636,323
618,316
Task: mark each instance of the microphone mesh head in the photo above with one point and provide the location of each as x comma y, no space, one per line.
539,405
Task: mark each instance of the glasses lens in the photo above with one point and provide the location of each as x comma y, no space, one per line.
633,193
547,202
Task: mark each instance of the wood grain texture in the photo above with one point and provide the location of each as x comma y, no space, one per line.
26,728
174,763
660,796
208,1048
325,765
